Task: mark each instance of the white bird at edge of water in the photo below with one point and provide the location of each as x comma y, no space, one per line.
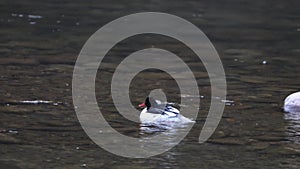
292,103
155,112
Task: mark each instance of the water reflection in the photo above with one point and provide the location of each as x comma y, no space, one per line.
168,159
168,129
293,126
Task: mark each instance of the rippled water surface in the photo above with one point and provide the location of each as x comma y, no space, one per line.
258,43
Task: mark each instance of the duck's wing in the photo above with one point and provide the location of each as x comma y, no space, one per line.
172,109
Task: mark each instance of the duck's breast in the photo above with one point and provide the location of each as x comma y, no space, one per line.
146,117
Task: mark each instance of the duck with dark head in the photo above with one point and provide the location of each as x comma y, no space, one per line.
154,111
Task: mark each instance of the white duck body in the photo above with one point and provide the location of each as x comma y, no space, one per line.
167,115
292,103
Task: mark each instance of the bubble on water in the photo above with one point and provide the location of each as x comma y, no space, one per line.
197,15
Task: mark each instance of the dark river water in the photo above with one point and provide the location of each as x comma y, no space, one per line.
258,43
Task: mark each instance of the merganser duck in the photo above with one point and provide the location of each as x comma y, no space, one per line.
155,112
292,103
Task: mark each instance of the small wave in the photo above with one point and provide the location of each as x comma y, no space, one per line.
33,102
36,102
228,102
35,16
30,16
